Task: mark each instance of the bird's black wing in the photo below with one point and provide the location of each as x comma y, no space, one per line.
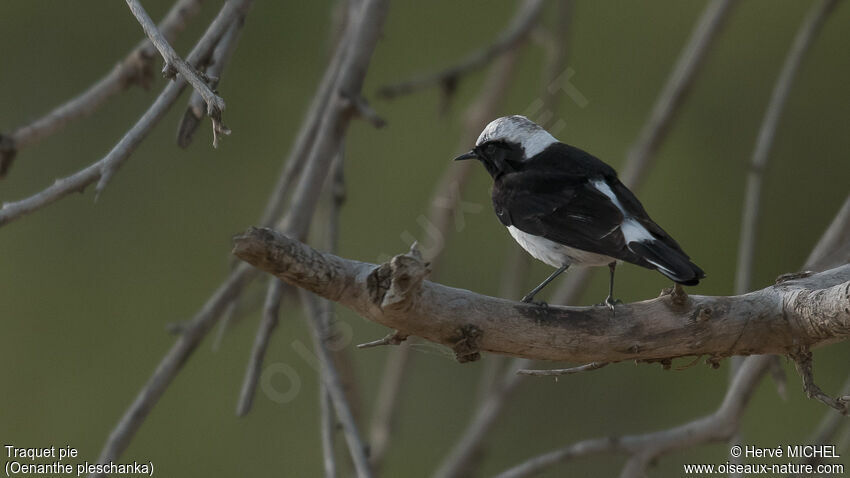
563,207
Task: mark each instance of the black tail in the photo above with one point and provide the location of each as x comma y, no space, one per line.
671,262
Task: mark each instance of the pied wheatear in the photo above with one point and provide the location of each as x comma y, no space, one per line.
566,207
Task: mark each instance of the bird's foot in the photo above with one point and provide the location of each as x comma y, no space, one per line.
528,300
610,302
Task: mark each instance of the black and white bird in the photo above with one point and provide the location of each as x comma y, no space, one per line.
566,207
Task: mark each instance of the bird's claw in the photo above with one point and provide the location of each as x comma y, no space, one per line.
528,300
610,302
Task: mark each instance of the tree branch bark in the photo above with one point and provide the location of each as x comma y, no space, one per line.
805,310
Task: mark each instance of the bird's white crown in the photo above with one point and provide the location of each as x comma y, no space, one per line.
519,130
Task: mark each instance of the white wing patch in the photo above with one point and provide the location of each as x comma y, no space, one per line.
632,230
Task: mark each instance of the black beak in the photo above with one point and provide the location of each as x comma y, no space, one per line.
470,155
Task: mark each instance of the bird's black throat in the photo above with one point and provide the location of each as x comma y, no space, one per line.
500,157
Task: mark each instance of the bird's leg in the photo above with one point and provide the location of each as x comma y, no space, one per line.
610,301
528,297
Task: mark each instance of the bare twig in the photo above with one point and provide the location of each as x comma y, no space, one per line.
269,321
103,169
325,320
390,339
834,246
306,137
134,69
351,75
445,207
327,430
171,364
828,427
718,426
803,364
331,379
386,404
675,90
521,25
174,64
562,371
781,90
755,177
442,215
195,110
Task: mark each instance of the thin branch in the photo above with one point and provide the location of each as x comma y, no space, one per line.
803,364
761,154
333,384
134,69
171,364
351,75
393,338
718,426
804,311
103,169
325,320
195,110
327,429
521,24
827,428
298,154
305,138
834,246
386,404
781,90
460,461
675,91
174,64
445,211
557,372
269,321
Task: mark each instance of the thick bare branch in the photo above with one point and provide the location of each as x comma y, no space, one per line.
134,69
804,311
520,26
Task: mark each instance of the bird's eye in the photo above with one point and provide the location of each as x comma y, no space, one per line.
490,148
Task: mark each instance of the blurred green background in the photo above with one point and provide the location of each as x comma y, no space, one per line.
87,289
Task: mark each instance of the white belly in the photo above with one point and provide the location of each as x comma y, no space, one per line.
554,254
